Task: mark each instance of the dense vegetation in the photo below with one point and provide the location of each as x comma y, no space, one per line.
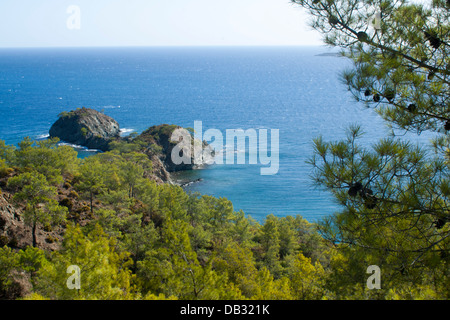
135,239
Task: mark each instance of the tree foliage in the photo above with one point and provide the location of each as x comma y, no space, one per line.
39,196
394,194
144,240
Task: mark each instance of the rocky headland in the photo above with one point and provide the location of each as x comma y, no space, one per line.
95,130
86,127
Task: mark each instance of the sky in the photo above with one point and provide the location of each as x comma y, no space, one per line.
74,23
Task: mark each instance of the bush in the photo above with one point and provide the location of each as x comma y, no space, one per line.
3,240
84,208
155,149
51,239
66,202
5,171
74,216
64,114
74,194
84,131
13,242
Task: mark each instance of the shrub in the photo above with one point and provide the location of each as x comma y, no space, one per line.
13,242
51,239
3,240
84,131
75,216
66,202
64,114
5,171
84,208
155,149
74,194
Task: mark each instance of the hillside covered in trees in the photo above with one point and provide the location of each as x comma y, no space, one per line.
134,238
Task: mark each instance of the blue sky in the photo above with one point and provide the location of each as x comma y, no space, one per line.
43,23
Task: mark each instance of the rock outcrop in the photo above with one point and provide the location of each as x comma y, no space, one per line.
161,137
86,127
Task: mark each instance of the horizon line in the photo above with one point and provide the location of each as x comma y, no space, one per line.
165,46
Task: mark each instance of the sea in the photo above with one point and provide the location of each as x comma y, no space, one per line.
295,90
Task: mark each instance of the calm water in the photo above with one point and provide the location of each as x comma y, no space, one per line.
285,88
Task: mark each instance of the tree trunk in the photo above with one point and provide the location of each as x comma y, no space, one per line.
33,232
92,208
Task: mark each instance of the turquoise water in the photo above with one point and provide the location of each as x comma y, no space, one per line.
291,89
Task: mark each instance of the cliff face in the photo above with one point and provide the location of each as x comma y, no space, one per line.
161,136
86,127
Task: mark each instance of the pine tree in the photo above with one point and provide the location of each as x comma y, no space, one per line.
394,194
104,272
91,179
39,196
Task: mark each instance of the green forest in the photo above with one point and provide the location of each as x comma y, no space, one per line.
135,239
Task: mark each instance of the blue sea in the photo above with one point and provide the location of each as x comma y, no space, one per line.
293,89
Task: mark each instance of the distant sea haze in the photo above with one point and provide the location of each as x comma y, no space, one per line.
293,89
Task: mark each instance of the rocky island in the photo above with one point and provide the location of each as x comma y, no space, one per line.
86,127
